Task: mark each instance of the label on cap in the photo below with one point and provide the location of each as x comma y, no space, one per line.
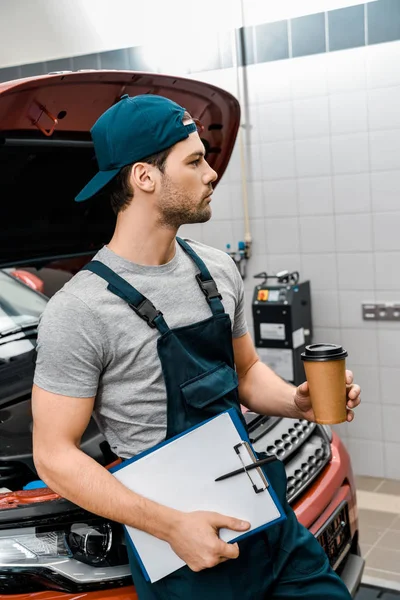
272,331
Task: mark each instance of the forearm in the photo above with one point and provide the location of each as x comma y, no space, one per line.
264,392
80,479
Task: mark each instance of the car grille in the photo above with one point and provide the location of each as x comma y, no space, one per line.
303,446
335,536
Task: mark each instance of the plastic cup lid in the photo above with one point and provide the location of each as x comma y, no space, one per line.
323,352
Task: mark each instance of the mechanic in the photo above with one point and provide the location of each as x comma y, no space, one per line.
150,314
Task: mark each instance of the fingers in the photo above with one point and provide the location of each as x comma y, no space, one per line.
220,521
350,415
303,388
349,377
353,391
353,396
229,551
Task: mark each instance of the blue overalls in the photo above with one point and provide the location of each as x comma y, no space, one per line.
283,562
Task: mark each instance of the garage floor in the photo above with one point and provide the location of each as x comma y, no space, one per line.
375,593
379,522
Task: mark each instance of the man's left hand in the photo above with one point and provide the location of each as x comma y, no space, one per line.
302,399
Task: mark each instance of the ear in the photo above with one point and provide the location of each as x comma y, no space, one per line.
143,177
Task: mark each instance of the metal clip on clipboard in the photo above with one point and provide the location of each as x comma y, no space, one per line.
256,476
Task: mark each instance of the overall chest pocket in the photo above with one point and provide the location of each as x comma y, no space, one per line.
209,387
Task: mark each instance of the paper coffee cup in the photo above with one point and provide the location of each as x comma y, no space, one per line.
325,368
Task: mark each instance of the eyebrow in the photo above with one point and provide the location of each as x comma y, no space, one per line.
195,154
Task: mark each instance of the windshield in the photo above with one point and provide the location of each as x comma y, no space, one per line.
20,306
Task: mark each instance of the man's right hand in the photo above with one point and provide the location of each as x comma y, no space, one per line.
194,538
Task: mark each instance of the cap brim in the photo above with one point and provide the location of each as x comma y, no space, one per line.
96,184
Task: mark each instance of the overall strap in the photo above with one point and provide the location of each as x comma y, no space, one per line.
138,303
204,279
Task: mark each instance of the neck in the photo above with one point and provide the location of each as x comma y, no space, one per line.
140,238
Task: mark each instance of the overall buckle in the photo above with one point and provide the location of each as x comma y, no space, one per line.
209,288
146,311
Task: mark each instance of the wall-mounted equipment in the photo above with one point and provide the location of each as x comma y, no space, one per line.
382,311
282,322
240,256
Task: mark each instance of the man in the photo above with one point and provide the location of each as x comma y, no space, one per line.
150,318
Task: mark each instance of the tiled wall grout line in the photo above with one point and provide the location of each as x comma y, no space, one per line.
379,486
368,552
379,378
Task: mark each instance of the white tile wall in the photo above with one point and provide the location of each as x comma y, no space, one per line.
350,153
385,190
356,271
277,159
386,231
324,199
383,108
269,82
389,348
309,76
348,112
352,193
282,262
354,233
311,117
387,270
350,302
346,70
380,59
321,270
234,200
391,416
369,379
256,199
317,234
313,157
391,460
366,456
280,197
193,231
368,424
361,344
385,149
282,235
325,309
218,233
390,389
220,205
275,121
326,335
315,195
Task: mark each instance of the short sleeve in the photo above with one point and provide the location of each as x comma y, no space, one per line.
240,323
70,348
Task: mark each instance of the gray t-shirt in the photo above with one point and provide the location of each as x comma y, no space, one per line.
91,343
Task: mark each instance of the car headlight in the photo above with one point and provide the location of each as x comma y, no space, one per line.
80,556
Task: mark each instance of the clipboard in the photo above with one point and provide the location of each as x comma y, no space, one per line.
181,472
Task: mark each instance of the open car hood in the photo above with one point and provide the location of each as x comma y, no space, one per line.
46,155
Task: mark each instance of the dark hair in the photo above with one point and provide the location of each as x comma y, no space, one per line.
120,190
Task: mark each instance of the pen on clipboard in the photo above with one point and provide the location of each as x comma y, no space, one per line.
258,463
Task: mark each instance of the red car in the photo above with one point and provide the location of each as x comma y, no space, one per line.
49,548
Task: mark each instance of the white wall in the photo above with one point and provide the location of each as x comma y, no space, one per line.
34,31
323,168
325,200
40,30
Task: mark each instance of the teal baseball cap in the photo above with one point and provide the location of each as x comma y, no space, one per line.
131,130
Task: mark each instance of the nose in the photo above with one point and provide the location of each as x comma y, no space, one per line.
210,175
